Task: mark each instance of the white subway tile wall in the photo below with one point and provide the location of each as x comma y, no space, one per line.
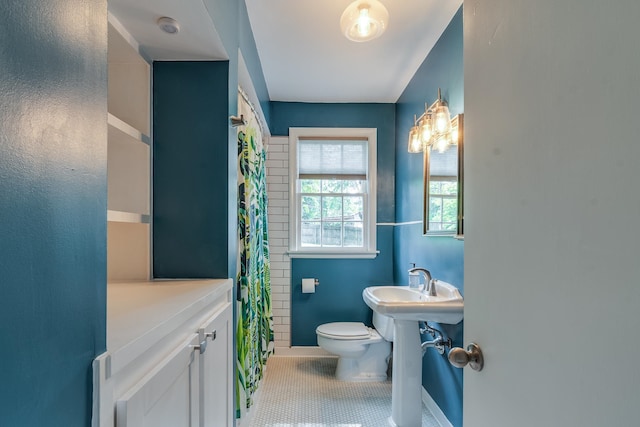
278,217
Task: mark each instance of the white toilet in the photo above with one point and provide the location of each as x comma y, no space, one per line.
363,352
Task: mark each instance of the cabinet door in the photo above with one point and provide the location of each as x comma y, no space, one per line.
168,396
216,393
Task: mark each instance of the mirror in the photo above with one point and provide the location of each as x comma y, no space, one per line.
443,173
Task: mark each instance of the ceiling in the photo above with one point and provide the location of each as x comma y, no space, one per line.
304,56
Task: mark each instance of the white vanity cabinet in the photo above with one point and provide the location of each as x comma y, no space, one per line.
216,389
169,355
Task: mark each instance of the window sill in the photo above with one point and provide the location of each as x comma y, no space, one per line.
325,254
444,234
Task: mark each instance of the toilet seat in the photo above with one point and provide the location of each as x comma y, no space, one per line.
346,331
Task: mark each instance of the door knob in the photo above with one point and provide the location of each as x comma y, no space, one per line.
459,357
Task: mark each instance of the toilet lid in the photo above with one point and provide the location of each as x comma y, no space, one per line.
344,330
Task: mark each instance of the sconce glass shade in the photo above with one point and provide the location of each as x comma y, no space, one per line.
443,143
364,20
454,136
426,129
415,142
441,116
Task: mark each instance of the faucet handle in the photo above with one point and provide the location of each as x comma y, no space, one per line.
431,288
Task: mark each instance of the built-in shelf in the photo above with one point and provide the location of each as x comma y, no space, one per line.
119,216
119,126
128,173
128,158
129,89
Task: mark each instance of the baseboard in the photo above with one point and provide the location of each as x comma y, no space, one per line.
435,409
314,351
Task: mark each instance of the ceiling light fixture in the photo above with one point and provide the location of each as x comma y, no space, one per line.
168,25
364,20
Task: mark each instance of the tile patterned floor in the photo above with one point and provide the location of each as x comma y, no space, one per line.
303,392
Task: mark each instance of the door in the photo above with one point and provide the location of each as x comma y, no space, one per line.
552,233
216,370
166,397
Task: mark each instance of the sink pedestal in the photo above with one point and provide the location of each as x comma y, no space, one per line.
406,386
407,307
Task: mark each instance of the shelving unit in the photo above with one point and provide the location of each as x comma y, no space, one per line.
129,161
156,369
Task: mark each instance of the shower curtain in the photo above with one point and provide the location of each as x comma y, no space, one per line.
254,333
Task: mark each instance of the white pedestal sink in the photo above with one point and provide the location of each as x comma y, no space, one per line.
408,307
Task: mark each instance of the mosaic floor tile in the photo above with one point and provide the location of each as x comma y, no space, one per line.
303,392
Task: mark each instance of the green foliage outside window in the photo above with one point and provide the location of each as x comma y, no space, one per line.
443,205
332,212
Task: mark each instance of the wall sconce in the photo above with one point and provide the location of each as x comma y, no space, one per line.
364,20
435,130
432,129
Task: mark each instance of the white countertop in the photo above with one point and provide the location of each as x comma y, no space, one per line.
139,314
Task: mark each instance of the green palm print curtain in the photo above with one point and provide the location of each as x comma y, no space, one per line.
254,334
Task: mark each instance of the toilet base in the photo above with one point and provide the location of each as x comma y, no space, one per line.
372,366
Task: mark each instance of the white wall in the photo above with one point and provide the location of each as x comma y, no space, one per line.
552,211
278,212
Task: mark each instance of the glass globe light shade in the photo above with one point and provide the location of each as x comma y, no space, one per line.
364,20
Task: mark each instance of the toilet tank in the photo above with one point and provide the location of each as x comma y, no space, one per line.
384,325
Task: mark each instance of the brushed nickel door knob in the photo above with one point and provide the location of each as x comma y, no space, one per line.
459,357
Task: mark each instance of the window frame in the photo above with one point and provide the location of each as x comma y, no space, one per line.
369,209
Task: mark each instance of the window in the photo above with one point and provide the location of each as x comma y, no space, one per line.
443,192
443,206
332,201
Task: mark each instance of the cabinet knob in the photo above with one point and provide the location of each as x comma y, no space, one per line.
211,335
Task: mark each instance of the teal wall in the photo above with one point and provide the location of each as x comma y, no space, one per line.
53,206
231,20
443,256
195,152
53,203
339,296
190,183
249,53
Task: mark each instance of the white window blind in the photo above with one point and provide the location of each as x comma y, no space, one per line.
339,159
443,165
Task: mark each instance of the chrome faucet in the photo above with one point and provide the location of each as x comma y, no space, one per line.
430,284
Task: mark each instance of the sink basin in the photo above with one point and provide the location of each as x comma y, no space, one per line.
404,303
